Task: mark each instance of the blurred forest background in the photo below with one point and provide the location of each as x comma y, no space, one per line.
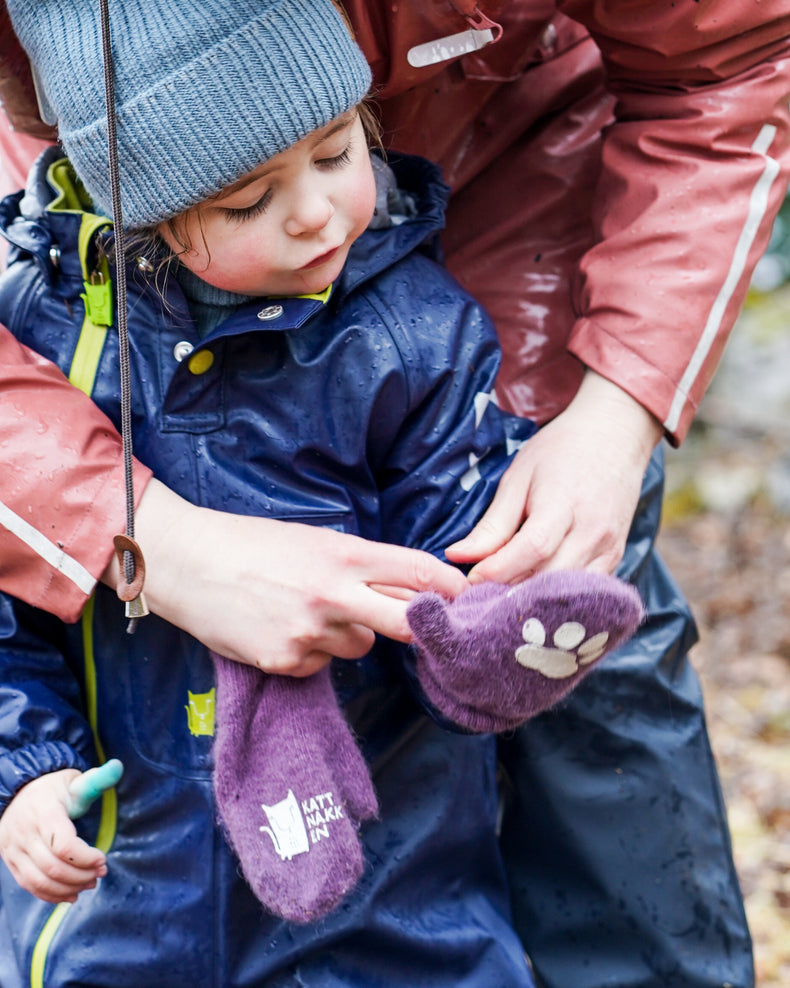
726,537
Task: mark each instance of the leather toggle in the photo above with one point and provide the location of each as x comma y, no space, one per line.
131,591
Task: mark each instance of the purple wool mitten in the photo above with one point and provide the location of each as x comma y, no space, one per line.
292,788
498,655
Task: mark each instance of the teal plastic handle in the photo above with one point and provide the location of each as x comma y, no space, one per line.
87,788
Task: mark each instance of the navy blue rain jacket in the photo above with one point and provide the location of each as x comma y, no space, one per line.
369,413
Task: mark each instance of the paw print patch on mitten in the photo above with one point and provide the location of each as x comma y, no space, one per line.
498,655
569,652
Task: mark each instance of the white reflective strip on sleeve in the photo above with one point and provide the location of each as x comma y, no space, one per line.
758,204
48,551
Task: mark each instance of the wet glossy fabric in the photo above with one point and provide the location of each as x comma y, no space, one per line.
519,129
586,149
615,167
615,837
347,415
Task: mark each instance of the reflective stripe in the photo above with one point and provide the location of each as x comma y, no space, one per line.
49,552
758,205
108,821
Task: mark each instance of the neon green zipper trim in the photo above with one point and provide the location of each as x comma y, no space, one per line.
70,199
83,377
93,333
108,821
41,949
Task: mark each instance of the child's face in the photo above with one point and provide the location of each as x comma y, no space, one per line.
286,228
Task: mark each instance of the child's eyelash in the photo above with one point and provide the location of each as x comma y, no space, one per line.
338,161
259,207
249,212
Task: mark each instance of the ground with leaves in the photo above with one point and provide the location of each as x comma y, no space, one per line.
737,576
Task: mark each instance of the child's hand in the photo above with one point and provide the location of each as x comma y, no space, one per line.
39,843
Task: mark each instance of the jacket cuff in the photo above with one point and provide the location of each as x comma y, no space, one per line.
19,767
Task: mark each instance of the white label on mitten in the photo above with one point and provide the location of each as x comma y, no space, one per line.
286,827
289,828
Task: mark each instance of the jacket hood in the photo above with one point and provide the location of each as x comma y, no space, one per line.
378,249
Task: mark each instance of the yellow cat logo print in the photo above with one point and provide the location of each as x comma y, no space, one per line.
200,713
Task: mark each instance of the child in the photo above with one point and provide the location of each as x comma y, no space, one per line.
291,363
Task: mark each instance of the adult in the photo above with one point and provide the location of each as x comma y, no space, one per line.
616,170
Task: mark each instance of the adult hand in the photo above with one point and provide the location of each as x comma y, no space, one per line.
39,843
568,499
282,596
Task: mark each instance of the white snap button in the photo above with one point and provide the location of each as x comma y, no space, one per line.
182,349
270,312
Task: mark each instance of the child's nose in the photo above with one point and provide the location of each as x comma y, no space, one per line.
310,213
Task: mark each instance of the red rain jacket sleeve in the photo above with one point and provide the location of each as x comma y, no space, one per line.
694,169
62,490
616,167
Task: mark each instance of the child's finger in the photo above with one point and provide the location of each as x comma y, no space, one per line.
63,883
58,852
71,864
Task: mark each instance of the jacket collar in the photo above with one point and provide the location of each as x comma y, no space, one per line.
29,221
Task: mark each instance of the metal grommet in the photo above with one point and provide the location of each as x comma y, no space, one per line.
144,265
200,362
54,255
182,349
270,312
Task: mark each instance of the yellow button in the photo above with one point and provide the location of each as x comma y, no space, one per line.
200,362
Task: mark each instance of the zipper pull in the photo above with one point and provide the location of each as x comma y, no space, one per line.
482,31
480,22
98,299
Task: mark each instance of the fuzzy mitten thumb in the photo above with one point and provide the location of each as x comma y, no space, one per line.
498,655
292,788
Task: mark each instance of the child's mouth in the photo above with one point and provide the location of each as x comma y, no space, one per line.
321,259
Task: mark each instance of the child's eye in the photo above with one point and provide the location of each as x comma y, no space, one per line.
337,161
240,215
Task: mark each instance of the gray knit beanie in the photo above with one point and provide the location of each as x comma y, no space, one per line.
205,90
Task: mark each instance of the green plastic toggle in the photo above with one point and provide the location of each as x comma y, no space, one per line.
87,788
98,300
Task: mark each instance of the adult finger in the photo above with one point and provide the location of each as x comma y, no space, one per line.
531,548
410,570
496,528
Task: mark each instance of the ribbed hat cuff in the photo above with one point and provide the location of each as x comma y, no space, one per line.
172,154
